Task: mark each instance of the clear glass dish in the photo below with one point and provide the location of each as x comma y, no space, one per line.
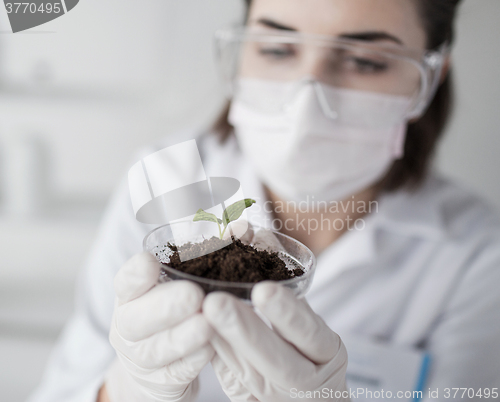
291,251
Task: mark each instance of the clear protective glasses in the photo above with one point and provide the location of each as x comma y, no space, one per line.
381,68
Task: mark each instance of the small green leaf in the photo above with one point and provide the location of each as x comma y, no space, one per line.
201,215
234,211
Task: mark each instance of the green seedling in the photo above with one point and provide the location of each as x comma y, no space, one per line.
230,214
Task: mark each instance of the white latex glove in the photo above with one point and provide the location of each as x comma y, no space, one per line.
255,363
159,334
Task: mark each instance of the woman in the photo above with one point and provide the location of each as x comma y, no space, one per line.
351,118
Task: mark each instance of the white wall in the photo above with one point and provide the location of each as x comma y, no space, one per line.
470,150
108,78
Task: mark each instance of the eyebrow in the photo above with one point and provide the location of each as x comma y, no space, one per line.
372,36
276,25
369,36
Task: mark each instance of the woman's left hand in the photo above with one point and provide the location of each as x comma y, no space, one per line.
256,363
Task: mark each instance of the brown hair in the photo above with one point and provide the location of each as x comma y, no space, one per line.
422,135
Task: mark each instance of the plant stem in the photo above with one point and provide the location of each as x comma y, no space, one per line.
220,234
222,231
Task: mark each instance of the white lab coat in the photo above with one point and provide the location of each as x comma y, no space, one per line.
424,273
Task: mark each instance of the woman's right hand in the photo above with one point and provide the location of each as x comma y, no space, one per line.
159,334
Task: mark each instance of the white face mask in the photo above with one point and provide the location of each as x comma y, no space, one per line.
301,154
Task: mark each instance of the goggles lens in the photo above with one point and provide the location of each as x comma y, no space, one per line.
344,64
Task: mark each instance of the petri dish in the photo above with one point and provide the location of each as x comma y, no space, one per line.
292,252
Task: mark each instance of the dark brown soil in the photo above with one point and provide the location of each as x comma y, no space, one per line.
236,262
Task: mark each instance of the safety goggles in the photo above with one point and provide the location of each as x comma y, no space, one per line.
353,64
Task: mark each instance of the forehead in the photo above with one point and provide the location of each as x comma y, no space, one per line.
398,18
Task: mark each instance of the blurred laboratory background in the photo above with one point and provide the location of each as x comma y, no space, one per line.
81,94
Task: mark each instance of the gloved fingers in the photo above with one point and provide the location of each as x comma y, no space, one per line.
238,368
163,307
241,229
120,384
244,382
187,368
254,342
164,347
154,385
230,383
139,274
296,322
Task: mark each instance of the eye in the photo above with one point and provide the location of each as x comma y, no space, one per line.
276,52
366,66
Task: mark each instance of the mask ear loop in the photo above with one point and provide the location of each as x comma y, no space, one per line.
399,141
